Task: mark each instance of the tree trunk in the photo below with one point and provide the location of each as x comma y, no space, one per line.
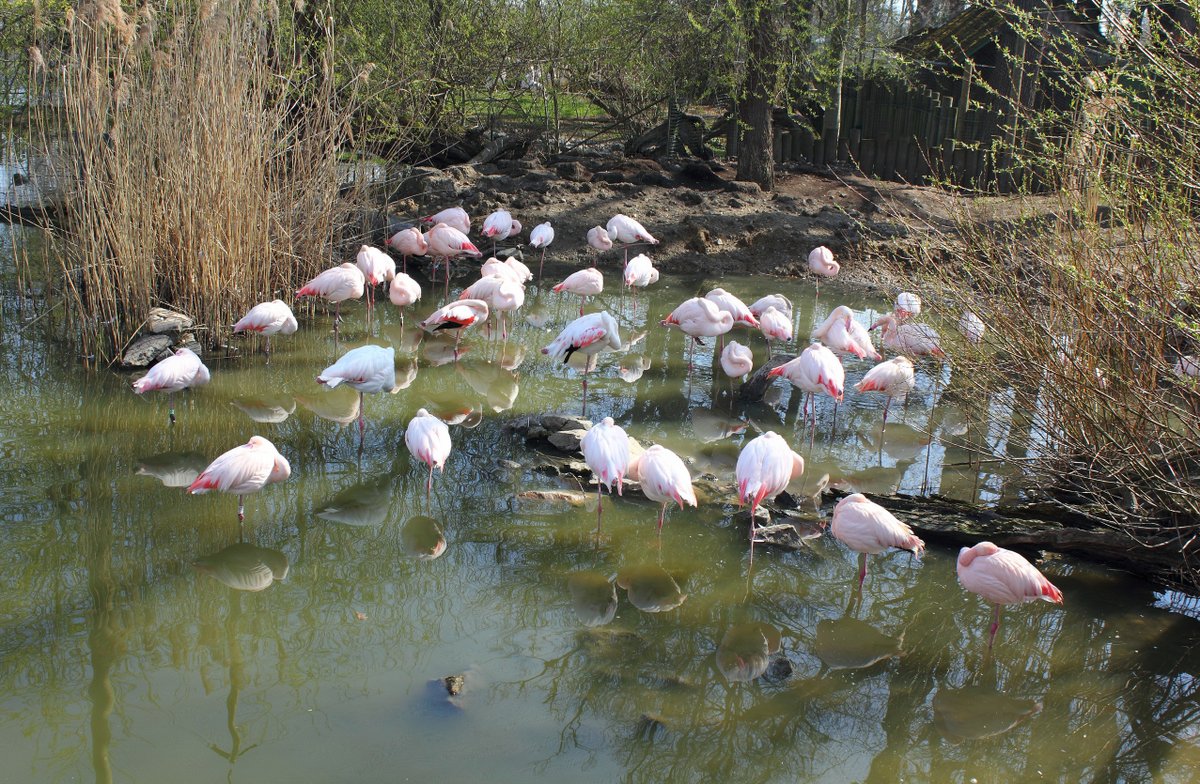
755,160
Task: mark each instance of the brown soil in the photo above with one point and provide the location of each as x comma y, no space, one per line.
703,219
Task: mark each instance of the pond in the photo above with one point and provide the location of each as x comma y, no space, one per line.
143,638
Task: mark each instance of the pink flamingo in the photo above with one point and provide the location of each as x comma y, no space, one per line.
777,301
455,217
511,268
243,470
408,242
447,242
821,263
698,318
1002,577
181,370
336,285
626,231
663,478
971,327
598,239
589,335
428,440
606,450
736,360
816,370
541,237
729,303
268,318
913,340
640,272
500,226
764,468
891,378
377,268
501,294
457,315
367,369
403,292
845,335
868,529
908,305
586,283
775,325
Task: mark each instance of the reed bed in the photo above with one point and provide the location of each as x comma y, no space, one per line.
197,158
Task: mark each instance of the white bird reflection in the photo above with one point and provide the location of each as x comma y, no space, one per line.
594,598
710,425
337,405
173,469
244,567
270,410
441,350
975,712
851,644
632,366
650,588
362,504
421,538
745,651
498,386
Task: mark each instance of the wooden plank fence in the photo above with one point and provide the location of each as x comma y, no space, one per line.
892,131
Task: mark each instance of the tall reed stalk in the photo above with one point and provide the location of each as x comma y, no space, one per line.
197,160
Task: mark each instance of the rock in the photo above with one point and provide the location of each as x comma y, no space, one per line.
702,174
655,178
565,422
188,340
572,170
454,684
610,177
424,183
567,440
161,320
510,253
690,198
572,497
146,350
746,188
782,535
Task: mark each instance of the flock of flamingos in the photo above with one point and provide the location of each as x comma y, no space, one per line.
766,464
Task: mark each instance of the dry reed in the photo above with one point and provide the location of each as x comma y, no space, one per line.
197,173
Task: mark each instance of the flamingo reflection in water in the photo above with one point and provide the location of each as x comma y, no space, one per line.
422,538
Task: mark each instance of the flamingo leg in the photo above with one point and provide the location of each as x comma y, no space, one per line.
599,507
995,627
429,482
753,523
171,407
862,569
662,516
362,424
241,509
541,264
268,351
582,300
585,372
886,406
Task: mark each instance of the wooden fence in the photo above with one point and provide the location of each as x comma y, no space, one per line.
892,131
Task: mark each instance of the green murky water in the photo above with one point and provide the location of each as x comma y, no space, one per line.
127,656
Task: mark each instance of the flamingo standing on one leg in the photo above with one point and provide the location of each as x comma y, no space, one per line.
775,325
377,268
181,370
589,335
816,370
868,529
586,283
541,237
598,239
367,369
500,226
455,217
428,440
742,317
447,242
891,378
408,242
243,470
736,360
606,450
1002,577
764,468
403,292
663,478
640,272
336,285
267,319
626,231
821,263
512,268
698,318
502,295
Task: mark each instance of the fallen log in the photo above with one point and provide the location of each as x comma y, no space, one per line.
756,386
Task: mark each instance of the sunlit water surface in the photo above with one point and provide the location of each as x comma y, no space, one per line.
141,642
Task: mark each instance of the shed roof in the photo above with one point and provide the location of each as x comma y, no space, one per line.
979,25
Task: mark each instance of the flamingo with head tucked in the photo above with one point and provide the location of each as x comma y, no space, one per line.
181,370
892,378
845,335
447,242
377,268
586,283
541,237
663,478
336,285
868,529
457,316
456,217
1001,577
817,370
408,242
775,326
736,360
605,449
428,440
500,226
502,295
765,467
821,263
267,319
626,231
243,470
698,318
367,369
908,305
